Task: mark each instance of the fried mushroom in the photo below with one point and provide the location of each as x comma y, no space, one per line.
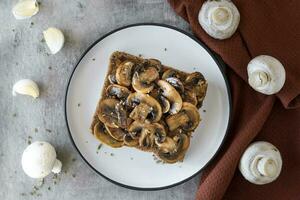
172,95
101,133
143,77
137,98
124,73
112,113
118,91
188,118
173,149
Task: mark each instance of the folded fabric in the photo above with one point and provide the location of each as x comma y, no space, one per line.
266,28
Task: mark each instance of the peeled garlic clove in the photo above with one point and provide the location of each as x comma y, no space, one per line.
26,87
261,163
266,74
25,9
54,39
219,19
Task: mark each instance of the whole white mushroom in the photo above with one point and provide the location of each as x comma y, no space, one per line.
266,74
261,163
39,160
219,19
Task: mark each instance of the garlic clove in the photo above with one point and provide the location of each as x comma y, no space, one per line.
266,74
26,87
219,19
39,160
54,39
25,9
261,163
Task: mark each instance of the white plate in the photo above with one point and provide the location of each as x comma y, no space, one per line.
127,166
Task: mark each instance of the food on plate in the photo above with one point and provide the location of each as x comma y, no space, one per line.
148,106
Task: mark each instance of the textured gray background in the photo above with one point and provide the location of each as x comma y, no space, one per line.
23,54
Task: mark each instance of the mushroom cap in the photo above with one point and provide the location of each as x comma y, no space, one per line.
169,73
176,83
261,163
116,133
219,19
118,91
137,98
124,73
170,155
172,95
38,159
188,118
101,133
143,77
112,113
266,74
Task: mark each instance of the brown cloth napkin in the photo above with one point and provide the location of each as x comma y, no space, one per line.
271,28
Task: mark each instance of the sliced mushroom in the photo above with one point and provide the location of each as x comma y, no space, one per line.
129,141
163,101
102,134
143,133
124,73
118,91
116,133
176,83
188,118
159,132
112,78
174,149
172,95
143,77
155,63
196,82
136,98
140,112
190,96
112,113
169,74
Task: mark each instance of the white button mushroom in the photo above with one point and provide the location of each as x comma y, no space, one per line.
266,74
25,9
261,163
54,39
39,160
219,19
26,87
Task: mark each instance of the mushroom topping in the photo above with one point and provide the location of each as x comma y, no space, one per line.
124,73
147,134
172,95
118,91
266,74
173,150
112,78
197,83
140,112
101,133
137,98
190,96
155,63
188,118
170,73
219,19
129,141
112,113
116,133
143,77
261,163
176,83
163,101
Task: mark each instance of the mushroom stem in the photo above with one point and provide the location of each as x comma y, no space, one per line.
259,78
267,167
57,166
220,15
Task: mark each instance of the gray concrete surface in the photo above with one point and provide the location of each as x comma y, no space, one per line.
23,54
